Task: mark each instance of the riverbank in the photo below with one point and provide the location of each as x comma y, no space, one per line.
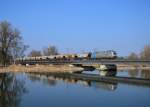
64,68
132,67
41,68
124,66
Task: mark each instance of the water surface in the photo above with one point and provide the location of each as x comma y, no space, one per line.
29,90
127,73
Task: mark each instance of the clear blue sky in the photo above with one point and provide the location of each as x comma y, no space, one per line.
81,25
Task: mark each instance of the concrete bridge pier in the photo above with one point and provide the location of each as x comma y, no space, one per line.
104,69
107,70
107,67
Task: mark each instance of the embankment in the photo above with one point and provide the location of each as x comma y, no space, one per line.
132,67
41,68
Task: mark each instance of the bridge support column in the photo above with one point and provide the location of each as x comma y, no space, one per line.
107,67
107,70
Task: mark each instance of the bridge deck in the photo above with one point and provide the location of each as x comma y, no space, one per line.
88,61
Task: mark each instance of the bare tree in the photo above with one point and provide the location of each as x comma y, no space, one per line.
35,53
133,56
11,45
51,50
145,54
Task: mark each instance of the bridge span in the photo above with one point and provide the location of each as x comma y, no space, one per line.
84,61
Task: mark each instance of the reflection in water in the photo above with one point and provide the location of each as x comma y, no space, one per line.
50,90
52,81
46,80
103,85
138,73
11,90
145,74
108,73
133,73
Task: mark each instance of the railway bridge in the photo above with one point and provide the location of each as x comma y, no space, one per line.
84,61
90,64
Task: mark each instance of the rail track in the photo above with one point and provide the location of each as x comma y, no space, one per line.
87,61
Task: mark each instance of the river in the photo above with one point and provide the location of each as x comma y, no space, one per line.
33,90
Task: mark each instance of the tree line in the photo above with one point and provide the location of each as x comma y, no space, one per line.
144,54
50,50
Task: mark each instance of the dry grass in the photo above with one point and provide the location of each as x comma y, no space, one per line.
132,67
41,68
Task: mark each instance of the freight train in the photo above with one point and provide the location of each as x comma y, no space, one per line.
110,54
